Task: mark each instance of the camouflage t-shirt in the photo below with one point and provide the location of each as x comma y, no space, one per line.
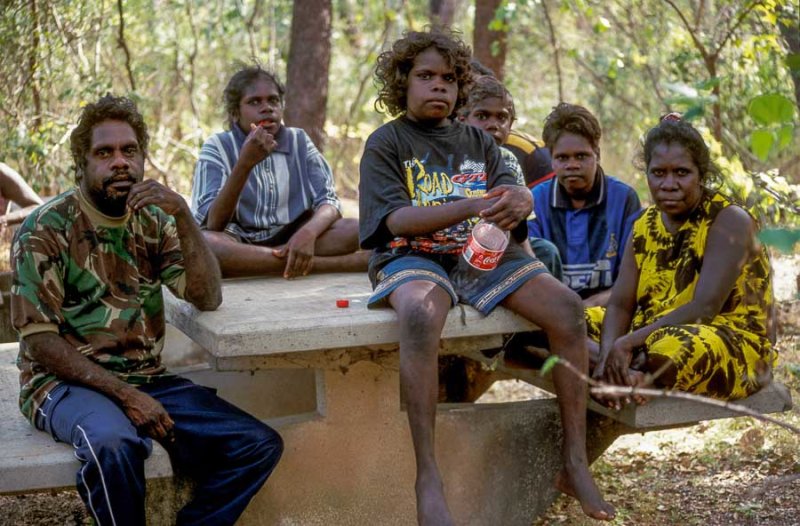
96,281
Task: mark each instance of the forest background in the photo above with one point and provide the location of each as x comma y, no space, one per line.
731,66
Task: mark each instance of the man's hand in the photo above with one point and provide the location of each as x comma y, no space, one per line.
299,252
512,204
150,192
147,414
257,146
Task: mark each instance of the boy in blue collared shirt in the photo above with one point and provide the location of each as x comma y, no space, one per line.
265,195
587,214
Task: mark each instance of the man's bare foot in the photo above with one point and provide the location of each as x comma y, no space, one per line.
432,508
578,483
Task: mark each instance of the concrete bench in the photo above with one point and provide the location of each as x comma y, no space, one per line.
659,413
328,379
498,459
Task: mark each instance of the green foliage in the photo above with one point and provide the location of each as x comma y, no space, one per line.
783,239
774,113
629,62
794,369
548,365
767,194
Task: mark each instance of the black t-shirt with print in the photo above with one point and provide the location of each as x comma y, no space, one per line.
406,164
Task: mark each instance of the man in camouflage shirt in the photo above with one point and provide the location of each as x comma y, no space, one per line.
86,300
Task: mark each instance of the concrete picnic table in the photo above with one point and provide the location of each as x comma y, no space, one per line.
349,458
328,379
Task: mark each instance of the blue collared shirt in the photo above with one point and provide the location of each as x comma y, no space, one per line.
590,240
293,179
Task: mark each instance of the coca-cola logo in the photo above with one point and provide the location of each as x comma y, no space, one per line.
484,260
491,259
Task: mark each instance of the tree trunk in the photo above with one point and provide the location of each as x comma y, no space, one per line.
443,11
307,71
33,66
489,46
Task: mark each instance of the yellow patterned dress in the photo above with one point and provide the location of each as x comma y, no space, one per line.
718,359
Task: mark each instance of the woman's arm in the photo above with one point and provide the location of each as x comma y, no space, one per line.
617,320
730,242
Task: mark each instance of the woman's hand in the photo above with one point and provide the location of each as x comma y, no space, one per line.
618,361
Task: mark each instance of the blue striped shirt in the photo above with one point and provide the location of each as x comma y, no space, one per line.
293,179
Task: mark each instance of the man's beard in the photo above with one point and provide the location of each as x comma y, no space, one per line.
109,201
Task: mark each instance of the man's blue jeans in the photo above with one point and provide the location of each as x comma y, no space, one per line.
227,452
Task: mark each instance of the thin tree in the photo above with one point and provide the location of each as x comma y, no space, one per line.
489,44
442,12
308,65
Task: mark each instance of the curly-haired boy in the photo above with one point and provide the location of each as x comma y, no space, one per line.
425,180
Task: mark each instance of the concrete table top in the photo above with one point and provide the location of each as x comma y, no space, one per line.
268,316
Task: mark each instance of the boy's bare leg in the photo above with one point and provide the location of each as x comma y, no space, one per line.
422,308
559,311
241,259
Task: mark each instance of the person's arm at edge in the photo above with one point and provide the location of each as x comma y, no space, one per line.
14,187
54,353
203,276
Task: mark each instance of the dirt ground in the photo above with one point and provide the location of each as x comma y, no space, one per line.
735,472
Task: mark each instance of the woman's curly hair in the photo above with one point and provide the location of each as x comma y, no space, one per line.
674,130
107,108
393,66
571,118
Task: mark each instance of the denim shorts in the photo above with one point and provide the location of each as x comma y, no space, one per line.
482,290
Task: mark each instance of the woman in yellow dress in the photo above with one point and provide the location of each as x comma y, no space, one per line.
691,309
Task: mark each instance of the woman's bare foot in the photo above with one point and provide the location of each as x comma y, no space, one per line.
639,379
577,482
432,508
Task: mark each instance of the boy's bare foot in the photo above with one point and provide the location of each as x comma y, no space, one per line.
431,506
577,482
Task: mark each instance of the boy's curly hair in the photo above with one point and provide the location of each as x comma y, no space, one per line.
571,118
678,131
393,66
239,82
107,108
486,87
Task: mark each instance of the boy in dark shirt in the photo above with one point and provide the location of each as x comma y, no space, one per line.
425,180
